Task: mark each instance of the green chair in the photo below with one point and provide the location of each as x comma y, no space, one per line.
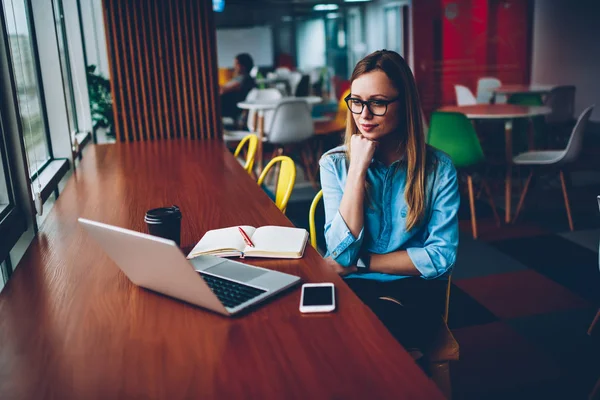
454,134
520,126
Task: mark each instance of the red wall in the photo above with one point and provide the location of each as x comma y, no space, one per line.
459,41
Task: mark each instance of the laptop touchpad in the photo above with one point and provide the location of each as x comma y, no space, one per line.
235,271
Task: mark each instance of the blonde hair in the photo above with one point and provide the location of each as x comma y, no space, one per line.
413,143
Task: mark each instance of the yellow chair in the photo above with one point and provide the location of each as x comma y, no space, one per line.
311,219
285,181
252,141
444,349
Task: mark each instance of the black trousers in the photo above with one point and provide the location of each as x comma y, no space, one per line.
415,322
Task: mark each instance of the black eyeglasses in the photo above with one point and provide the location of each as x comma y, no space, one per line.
375,107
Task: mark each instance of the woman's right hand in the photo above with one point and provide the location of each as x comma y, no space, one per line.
362,151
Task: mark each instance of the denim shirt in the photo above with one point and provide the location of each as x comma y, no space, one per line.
431,245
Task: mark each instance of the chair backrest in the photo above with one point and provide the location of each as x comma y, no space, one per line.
292,122
464,96
303,88
285,181
311,219
561,100
447,305
526,99
454,134
252,141
485,89
294,78
575,144
261,94
254,71
282,72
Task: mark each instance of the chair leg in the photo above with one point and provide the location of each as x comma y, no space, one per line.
472,204
595,395
275,174
566,197
523,194
440,374
593,324
488,193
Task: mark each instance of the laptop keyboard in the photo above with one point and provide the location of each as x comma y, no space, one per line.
231,293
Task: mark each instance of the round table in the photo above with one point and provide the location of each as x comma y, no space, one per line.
260,106
506,113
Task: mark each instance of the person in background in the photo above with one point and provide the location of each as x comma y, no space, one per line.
237,88
391,203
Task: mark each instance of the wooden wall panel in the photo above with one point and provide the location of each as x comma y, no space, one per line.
163,64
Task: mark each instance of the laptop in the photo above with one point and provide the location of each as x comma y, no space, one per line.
221,285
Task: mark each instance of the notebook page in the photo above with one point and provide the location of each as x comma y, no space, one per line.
279,239
222,239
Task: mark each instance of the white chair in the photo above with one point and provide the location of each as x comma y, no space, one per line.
485,89
556,159
464,96
261,94
254,94
291,127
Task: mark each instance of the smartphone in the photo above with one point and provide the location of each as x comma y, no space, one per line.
317,297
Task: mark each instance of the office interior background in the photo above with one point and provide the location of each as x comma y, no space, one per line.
73,74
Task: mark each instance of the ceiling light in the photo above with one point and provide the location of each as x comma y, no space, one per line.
356,1
332,15
325,7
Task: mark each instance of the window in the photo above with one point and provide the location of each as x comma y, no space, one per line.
357,47
25,70
65,67
394,29
5,194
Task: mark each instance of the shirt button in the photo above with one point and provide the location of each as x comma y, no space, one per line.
335,253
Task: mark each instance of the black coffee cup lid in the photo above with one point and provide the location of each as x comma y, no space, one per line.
163,212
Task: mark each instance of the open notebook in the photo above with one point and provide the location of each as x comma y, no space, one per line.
269,241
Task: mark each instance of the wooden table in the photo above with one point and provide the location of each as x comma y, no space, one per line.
506,113
72,326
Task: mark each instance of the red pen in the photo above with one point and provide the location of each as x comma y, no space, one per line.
246,238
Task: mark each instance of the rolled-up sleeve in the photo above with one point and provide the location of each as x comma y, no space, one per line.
342,246
438,254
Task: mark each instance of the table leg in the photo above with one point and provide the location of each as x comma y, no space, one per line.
508,180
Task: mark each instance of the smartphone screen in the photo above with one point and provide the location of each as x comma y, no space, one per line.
318,295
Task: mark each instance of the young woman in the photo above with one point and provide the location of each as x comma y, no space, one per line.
391,203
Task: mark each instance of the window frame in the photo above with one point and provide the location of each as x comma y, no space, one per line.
38,79
57,6
12,219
